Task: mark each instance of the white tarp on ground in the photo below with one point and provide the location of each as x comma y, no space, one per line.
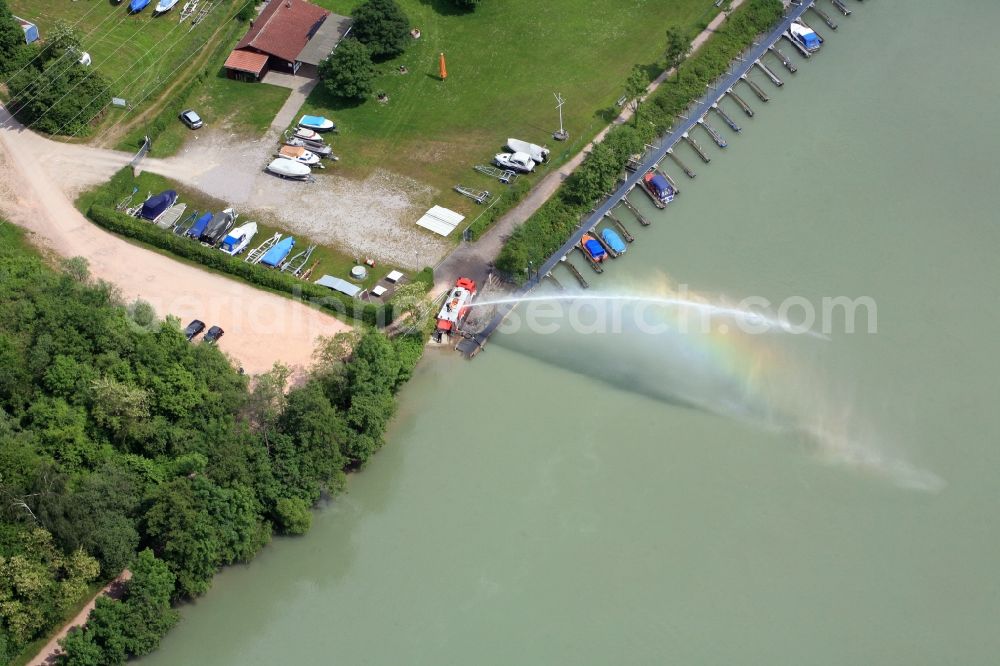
343,286
394,276
440,220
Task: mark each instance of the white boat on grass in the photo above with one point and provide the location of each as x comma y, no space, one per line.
538,153
287,168
238,239
516,161
299,154
164,6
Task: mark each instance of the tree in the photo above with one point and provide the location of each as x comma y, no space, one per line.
293,515
678,45
348,72
11,39
635,86
382,26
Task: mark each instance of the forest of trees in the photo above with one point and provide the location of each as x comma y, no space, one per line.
124,445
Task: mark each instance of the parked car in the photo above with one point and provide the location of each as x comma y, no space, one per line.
190,118
194,328
214,334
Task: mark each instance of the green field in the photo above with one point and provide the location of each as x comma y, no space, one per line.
504,61
139,55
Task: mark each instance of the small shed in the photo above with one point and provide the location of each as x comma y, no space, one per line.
30,30
440,220
394,276
343,286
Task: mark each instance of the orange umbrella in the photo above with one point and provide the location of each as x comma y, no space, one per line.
444,70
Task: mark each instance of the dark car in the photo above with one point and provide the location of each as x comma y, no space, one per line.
214,334
191,119
194,328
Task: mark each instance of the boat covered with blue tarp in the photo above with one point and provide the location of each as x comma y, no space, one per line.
154,207
658,188
317,123
136,6
613,240
198,228
277,254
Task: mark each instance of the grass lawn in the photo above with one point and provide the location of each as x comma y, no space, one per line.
504,61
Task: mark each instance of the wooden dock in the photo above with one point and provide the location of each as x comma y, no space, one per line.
684,168
629,238
635,211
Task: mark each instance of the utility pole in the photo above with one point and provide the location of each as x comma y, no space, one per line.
562,134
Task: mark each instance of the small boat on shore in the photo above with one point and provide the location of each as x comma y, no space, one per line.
658,188
515,162
164,6
154,207
278,252
286,168
456,306
308,135
136,6
593,248
538,153
317,123
614,241
216,229
239,238
805,36
319,148
198,228
299,154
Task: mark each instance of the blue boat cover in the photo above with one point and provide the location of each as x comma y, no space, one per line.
312,121
198,228
660,184
614,240
153,207
138,5
277,254
595,249
812,40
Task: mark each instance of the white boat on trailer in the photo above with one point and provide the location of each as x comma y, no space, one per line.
515,161
239,238
299,154
286,168
320,149
538,153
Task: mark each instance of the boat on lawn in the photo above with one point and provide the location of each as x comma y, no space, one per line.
154,207
286,168
538,153
317,123
613,240
319,148
515,162
309,136
164,6
593,248
658,188
299,154
278,252
198,228
805,36
239,238
136,6
216,229
456,306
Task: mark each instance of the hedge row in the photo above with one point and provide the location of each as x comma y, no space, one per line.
340,304
545,231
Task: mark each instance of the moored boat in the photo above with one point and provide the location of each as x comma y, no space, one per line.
154,207
613,240
456,306
278,252
593,248
286,168
216,229
239,238
658,188
299,154
317,123
805,36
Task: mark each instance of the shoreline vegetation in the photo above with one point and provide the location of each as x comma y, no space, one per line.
124,445
547,229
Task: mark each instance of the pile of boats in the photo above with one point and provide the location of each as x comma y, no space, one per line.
303,149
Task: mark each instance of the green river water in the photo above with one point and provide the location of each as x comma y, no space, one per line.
706,499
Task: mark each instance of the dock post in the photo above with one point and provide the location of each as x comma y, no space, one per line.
719,141
576,273
684,168
823,15
596,265
725,118
757,90
621,227
556,282
770,74
839,4
635,211
803,50
698,149
803,21
788,64
739,100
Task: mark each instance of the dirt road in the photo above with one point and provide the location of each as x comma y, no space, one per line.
38,178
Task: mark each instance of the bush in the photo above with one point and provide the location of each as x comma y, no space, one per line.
349,73
425,276
293,515
545,231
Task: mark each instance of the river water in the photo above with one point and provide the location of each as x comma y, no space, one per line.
596,498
